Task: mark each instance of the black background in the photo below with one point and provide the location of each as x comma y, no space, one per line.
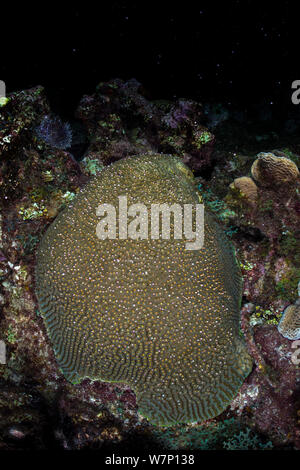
241,53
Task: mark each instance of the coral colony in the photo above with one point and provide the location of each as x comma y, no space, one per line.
150,302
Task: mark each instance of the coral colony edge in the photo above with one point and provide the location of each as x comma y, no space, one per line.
105,342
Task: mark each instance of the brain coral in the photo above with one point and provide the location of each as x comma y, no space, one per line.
247,187
150,313
289,325
269,169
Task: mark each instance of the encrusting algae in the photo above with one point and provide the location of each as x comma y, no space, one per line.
150,313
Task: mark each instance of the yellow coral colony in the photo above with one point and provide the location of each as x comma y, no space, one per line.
150,313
